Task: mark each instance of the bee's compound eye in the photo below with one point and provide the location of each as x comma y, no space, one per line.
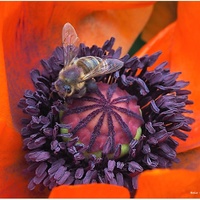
68,89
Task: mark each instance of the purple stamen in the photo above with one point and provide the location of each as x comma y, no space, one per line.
97,138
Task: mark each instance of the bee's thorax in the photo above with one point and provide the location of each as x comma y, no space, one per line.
71,75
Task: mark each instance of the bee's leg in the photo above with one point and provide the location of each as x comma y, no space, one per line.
91,85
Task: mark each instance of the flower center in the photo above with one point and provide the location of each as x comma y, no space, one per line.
109,115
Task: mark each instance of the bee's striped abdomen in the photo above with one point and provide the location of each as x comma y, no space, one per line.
88,63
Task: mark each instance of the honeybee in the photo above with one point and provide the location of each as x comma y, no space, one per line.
78,74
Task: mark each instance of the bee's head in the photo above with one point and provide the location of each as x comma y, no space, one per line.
64,88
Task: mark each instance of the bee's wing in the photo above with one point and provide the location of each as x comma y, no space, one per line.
70,42
106,67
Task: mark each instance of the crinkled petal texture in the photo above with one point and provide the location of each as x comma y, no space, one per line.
34,34
4,103
90,191
180,44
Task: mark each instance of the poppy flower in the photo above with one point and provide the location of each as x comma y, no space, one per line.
25,45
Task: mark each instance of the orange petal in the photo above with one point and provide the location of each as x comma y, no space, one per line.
29,34
124,25
169,184
162,41
188,160
185,58
112,5
94,190
193,141
13,180
180,44
4,101
164,13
